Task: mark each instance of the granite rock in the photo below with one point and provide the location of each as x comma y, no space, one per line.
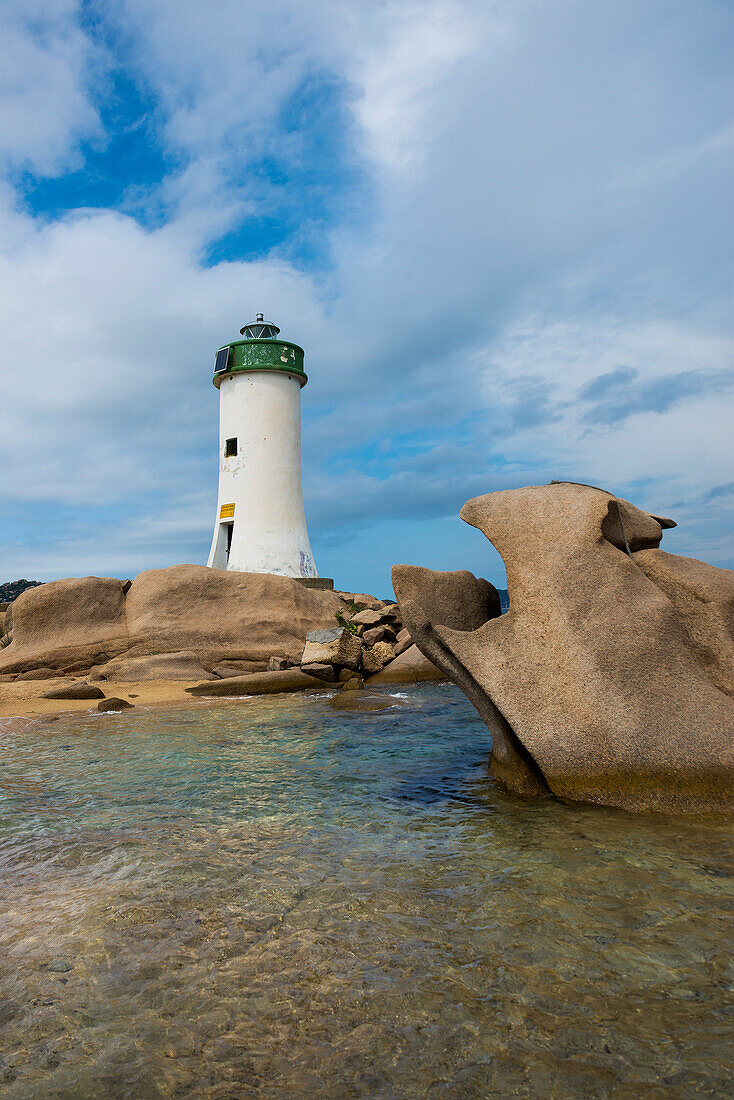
377,657
606,682
411,667
335,646
79,690
258,683
113,703
327,673
217,614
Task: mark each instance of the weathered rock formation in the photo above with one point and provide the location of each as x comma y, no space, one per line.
210,615
193,623
611,678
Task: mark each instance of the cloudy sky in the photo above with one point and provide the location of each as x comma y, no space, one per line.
501,229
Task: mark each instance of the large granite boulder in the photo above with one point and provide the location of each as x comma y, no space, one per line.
72,625
610,679
703,597
246,615
79,620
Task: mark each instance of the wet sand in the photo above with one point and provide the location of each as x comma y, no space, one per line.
23,698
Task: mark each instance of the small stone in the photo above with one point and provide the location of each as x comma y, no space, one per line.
391,611
366,618
378,633
279,664
403,641
360,600
59,966
354,683
376,658
320,671
113,703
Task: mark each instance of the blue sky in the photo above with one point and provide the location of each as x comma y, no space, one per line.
502,231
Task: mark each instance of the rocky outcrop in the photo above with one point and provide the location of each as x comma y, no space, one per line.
610,679
248,615
72,625
67,624
193,623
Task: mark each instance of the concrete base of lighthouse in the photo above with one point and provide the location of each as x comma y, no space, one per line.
323,584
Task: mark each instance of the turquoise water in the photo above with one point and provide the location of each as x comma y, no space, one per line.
273,899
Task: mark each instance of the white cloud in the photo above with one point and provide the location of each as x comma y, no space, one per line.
506,261
400,70
45,106
110,331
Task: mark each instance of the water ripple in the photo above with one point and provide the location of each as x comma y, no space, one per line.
275,899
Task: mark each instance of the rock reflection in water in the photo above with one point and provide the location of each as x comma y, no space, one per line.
274,899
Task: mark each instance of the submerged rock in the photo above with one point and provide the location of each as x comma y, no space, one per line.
609,680
362,702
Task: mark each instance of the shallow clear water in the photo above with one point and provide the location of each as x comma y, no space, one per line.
274,899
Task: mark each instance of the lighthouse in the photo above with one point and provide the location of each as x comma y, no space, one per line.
260,525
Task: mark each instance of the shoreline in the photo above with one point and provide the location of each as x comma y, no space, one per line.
21,700
26,704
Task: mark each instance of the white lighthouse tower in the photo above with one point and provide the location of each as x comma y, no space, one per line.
261,525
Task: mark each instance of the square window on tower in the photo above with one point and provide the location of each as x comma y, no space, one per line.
230,447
